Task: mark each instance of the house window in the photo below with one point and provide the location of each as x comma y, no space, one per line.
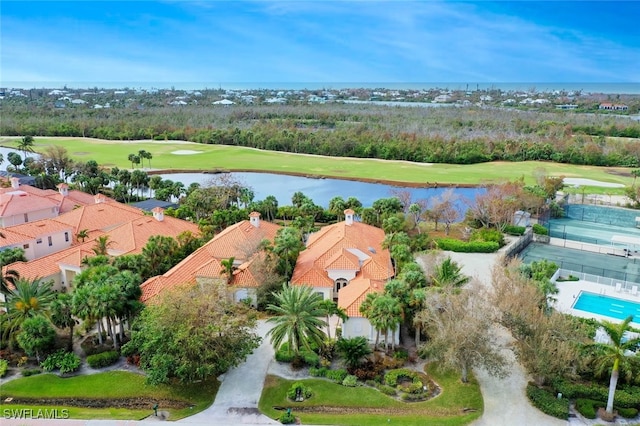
66,237
26,217
50,241
26,246
320,294
39,241
340,283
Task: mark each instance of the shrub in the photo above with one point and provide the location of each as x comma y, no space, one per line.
103,359
387,390
311,358
547,402
287,418
412,397
298,388
470,247
488,235
401,354
628,413
336,375
31,372
391,378
588,407
625,398
350,381
66,362
284,355
4,366
318,372
514,230
539,229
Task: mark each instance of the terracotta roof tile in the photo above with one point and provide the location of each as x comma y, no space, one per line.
343,259
18,202
351,297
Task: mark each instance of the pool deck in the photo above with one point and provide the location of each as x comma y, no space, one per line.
569,291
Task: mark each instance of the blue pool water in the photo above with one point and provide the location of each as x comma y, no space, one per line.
607,306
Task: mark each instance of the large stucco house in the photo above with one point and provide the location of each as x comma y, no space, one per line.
344,262
204,266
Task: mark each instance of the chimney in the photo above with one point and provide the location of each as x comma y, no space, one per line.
99,198
158,214
254,219
63,189
348,217
15,182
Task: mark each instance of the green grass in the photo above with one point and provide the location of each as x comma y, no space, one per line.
367,406
112,385
210,157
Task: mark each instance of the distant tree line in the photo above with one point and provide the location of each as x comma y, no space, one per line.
434,135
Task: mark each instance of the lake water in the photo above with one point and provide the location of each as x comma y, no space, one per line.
321,190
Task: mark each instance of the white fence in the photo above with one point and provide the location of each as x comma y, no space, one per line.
611,282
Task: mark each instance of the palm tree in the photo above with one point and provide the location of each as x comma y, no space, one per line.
366,309
613,355
82,234
353,350
331,308
297,321
26,299
449,273
102,245
387,312
26,145
228,268
62,316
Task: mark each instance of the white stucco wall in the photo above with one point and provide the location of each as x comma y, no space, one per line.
347,274
327,293
356,327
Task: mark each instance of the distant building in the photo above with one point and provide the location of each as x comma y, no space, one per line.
613,107
566,106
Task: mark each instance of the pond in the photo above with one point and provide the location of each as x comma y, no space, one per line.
321,191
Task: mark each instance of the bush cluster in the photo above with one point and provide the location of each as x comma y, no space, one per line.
487,235
546,402
31,372
103,359
539,229
625,398
318,372
4,366
387,390
628,413
299,388
336,375
467,247
66,362
514,230
287,418
283,354
350,381
588,407
391,378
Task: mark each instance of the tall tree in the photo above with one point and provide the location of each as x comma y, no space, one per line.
287,244
62,315
297,311
331,308
27,299
192,334
615,355
459,328
26,145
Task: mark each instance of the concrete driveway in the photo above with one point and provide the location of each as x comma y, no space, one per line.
238,396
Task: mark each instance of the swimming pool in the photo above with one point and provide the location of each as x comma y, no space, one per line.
607,306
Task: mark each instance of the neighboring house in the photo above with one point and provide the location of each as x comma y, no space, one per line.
128,237
22,203
152,203
39,238
344,262
240,241
614,107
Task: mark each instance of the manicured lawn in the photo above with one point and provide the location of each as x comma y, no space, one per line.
115,153
339,405
112,385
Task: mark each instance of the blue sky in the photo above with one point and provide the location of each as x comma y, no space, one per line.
319,41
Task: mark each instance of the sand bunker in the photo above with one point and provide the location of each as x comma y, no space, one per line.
591,182
185,152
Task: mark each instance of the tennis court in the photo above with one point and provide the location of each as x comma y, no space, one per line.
604,265
594,233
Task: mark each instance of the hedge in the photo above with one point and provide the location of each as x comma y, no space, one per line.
539,229
103,359
547,402
628,413
588,407
31,372
514,230
624,398
467,247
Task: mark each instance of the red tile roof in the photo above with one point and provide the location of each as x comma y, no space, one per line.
351,297
356,247
19,202
239,241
